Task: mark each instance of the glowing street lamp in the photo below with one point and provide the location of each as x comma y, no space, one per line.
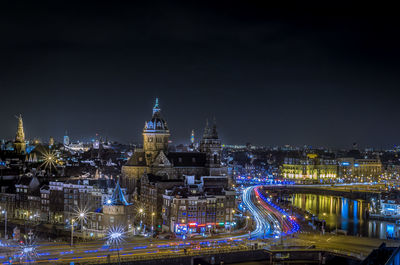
49,160
115,237
72,232
81,214
283,217
141,216
28,250
5,223
152,222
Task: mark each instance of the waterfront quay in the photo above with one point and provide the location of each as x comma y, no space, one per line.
363,192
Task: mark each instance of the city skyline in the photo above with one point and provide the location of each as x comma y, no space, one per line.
193,137
299,74
199,132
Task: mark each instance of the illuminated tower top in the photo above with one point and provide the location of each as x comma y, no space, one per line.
155,134
66,139
157,123
192,137
156,108
20,136
51,141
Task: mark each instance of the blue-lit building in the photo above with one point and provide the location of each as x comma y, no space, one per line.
359,169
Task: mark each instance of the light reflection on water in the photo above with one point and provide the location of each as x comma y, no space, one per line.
349,215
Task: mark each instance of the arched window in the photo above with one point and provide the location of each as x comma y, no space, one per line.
215,159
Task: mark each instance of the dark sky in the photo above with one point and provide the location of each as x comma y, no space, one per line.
289,73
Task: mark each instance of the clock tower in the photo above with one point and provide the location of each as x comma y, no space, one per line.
155,135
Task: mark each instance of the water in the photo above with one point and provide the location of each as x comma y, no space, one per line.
345,214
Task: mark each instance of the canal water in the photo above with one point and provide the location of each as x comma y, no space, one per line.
345,214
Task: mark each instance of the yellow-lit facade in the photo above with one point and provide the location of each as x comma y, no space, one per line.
310,169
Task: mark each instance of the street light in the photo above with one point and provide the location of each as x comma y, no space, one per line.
283,217
81,213
115,237
72,232
28,249
141,216
152,222
5,224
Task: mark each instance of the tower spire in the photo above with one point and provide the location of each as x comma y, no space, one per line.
214,133
19,143
20,136
206,133
192,137
156,107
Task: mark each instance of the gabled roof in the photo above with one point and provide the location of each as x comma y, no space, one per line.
137,159
161,160
187,159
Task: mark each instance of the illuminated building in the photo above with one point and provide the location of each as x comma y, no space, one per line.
188,210
309,169
152,189
116,210
155,158
66,139
19,143
51,142
27,199
351,169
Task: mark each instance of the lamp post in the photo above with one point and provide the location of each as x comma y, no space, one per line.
115,237
283,216
72,232
5,224
141,217
233,216
81,217
323,224
152,222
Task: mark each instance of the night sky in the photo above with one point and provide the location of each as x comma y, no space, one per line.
271,74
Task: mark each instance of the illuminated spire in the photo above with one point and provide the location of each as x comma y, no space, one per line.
156,108
20,136
192,137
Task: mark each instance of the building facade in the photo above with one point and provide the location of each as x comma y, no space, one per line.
188,212
359,170
156,159
310,169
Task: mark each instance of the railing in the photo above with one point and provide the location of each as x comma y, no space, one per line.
159,256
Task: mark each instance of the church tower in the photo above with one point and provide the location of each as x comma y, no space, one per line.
19,143
192,138
155,135
211,145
